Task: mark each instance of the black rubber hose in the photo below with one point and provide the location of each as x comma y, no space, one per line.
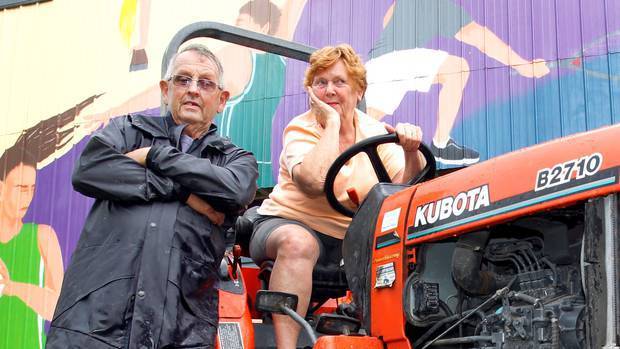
466,265
462,340
445,308
437,325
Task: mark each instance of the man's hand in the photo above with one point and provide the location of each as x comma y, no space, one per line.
202,207
139,155
409,136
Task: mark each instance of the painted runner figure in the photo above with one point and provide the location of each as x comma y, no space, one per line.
31,267
400,63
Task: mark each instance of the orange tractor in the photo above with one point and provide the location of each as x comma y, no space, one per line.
520,251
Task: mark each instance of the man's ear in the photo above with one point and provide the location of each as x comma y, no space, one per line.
224,95
163,86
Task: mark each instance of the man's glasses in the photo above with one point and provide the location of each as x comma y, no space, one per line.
184,81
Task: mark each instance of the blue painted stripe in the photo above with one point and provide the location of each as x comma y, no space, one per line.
387,243
516,206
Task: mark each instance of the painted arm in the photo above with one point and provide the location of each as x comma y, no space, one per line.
41,299
388,15
149,98
491,45
291,12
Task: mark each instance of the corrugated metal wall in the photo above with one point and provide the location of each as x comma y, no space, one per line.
501,110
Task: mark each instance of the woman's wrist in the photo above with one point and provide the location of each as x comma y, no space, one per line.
332,122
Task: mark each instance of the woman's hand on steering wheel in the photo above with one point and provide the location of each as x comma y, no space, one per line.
409,136
369,146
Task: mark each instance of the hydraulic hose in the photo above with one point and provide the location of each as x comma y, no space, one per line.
466,265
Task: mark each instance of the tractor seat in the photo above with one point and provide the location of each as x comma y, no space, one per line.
328,280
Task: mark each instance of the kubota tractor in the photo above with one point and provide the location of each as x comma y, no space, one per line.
520,251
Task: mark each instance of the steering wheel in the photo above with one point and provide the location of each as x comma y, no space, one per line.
369,146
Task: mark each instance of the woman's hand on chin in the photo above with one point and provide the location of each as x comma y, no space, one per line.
325,114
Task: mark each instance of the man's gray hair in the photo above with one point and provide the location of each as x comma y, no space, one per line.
203,51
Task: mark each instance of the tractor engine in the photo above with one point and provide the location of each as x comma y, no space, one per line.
517,285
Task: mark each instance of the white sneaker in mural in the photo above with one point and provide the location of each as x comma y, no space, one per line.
454,154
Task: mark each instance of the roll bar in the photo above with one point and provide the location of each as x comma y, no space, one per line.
237,36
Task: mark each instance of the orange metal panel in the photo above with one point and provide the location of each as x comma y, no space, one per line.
517,184
387,320
348,342
235,316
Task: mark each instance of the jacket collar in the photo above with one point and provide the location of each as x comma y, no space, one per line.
165,127
154,126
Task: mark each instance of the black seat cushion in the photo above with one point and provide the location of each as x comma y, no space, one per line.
328,280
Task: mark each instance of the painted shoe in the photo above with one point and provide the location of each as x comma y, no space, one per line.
454,154
139,60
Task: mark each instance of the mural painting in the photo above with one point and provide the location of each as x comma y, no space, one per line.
128,23
480,77
31,264
399,63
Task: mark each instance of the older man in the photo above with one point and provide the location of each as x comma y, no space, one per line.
144,272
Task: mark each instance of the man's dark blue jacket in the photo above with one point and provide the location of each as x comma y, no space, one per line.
144,272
